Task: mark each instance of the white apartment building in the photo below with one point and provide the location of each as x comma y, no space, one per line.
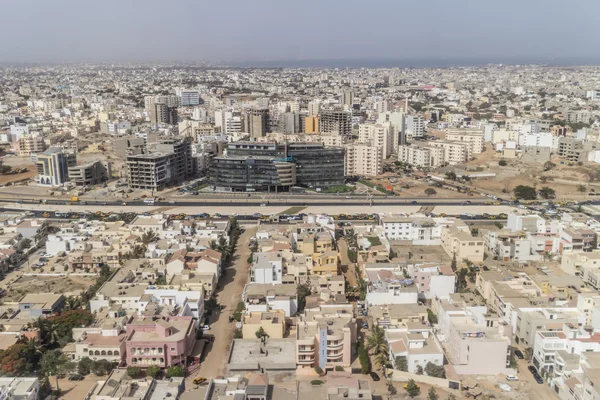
473,138
424,157
377,135
454,152
415,126
266,268
417,345
363,159
504,135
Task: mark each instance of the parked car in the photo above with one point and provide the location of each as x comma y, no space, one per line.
512,378
519,354
199,380
532,369
374,376
538,378
206,328
76,377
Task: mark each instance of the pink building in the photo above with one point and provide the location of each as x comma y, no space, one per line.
162,341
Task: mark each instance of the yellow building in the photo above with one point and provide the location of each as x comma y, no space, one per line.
272,322
325,263
311,125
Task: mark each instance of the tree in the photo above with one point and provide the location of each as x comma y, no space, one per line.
547,192
548,165
419,370
148,237
502,163
432,317
543,179
376,342
339,368
451,176
461,281
260,333
391,388
581,188
175,371
525,192
453,263
152,371
412,389
363,357
434,370
101,367
432,394
84,367
401,363
303,291
133,372
55,363
430,191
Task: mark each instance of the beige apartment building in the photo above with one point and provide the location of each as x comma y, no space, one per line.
325,337
272,322
473,137
457,239
363,159
30,144
454,152
377,135
424,157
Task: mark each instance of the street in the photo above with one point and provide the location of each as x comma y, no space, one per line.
535,390
231,286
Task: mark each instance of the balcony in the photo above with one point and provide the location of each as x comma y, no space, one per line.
306,360
306,350
335,345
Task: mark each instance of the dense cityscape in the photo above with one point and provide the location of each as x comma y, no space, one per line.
259,201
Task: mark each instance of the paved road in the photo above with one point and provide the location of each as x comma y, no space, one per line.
232,284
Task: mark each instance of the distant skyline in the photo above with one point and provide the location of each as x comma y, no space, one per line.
281,33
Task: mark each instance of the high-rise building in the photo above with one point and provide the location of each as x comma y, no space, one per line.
257,122
169,164
163,114
313,108
398,127
311,124
189,98
364,159
335,121
415,126
169,100
53,166
377,135
347,98
289,122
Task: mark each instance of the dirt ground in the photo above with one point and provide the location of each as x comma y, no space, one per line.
563,178
38,284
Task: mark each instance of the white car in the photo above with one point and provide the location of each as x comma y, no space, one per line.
512,378
206,328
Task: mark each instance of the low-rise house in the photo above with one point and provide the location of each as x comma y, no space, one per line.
396,316
42,304
264,297
207,261
458,241
433,280
389,287
162,342
417,346
260,355
19,388
267,268
339,385
272,323
120,386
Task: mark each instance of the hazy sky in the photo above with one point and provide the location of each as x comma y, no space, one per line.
259,30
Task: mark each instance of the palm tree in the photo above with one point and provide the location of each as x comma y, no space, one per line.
73,303
148,237
212,244
376,342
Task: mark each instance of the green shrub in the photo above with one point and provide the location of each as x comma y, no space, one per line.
339,368
134,372
316,382
319,371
